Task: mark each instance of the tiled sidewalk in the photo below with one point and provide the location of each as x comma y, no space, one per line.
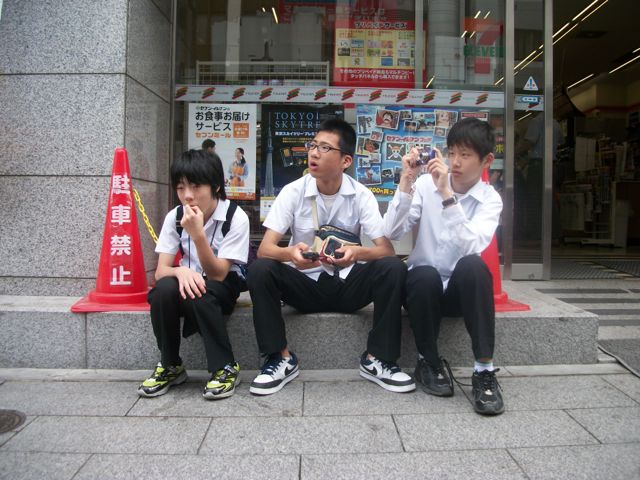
560,422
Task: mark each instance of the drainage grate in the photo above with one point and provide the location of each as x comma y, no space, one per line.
632,267
580,270
10,420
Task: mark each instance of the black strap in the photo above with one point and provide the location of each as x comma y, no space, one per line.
226,226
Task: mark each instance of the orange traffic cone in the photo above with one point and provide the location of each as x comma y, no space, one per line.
490,257
122,283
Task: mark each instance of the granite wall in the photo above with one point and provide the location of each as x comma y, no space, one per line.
77,79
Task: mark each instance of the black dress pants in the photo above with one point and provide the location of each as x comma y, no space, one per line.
469,294
381,281
202,314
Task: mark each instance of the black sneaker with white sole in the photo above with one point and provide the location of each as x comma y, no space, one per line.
486,392
386,374
275,374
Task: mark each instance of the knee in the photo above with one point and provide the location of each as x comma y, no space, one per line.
166,286
423,278
473,267
259,270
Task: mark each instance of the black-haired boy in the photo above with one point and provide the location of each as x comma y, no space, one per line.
457,215
206,284
330,283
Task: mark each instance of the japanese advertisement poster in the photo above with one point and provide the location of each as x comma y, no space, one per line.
285,130
372,51
233,128
387,133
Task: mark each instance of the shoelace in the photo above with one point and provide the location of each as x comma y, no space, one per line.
225,372
392,368
489,381
272,364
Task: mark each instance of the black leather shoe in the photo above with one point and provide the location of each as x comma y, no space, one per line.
486,391
434,380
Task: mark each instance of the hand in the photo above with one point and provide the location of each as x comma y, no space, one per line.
298,260
439,172
348,254
193,221
190,283
409,170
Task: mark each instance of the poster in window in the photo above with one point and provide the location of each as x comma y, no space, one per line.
233,128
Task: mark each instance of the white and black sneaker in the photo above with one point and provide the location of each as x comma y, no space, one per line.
386,374
275,374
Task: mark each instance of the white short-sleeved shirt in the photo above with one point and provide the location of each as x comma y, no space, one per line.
233,246
445,235
354,209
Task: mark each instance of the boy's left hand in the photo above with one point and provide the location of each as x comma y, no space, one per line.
348,257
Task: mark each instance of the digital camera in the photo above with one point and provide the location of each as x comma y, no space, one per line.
426,154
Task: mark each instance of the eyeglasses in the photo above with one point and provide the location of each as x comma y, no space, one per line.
322,148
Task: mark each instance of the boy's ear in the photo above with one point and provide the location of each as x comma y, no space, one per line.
488,160
347,160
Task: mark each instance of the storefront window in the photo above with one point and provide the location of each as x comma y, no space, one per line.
257,77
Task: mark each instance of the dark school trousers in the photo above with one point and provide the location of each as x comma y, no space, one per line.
202,314
469,294
381,281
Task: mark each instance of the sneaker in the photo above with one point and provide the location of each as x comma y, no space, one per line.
161,379
275,374
434,380
386,374
223,382
486,391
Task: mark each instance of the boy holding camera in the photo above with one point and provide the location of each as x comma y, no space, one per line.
457,215
338,276
213,239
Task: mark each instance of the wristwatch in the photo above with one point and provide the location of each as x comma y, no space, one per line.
452,200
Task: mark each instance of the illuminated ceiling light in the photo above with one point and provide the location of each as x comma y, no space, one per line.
427,85
636,50
524,116
565,34
463,34
584,10
594,10
580,81
499,81
478,14
275,15
487,14
565,26
527,64
472,34
264,10
625,63
525,59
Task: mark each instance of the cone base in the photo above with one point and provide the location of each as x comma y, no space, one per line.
111,303
504,304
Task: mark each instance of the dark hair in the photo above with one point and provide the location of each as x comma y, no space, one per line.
472,133
243,161
347,134
208,143
201,168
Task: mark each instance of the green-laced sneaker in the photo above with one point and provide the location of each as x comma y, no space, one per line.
223,382
161,379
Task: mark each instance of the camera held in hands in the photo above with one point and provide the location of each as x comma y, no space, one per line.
426,154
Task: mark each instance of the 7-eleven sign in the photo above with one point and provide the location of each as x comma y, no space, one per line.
487,33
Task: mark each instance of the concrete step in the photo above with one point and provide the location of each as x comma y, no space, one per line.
41,332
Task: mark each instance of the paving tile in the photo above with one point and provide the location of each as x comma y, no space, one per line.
555,393
583,462
472,431
629,384
187,401
366,398
266,435
186,467
29,465
69,398
4,437
110,435
408,466
611,425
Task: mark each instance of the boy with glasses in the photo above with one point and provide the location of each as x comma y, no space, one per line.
345,282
